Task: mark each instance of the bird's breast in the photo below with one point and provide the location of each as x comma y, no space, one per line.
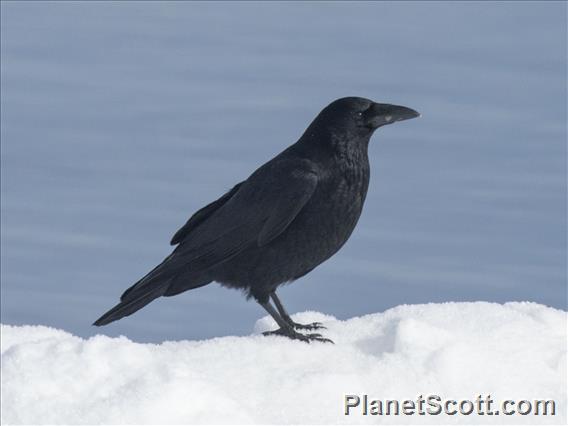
329,218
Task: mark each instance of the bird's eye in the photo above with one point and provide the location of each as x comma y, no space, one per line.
360,114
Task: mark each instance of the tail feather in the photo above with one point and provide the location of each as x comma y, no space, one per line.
166,279
148,280
128,307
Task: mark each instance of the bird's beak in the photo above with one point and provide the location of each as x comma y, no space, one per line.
382,114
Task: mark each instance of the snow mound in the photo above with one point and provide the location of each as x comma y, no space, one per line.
514,351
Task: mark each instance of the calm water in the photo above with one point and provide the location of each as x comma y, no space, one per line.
119,120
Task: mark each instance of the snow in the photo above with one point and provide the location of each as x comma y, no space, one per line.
454,350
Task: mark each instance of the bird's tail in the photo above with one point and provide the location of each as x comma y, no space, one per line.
150,287
166,279
130,306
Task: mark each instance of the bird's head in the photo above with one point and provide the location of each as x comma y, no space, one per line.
360,117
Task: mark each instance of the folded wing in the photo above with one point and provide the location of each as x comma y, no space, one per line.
254,212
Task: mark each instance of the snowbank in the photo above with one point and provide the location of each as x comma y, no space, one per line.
514,351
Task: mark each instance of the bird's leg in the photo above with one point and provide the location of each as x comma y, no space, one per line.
286,329
286,317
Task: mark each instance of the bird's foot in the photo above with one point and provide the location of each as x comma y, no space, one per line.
312,326
294,335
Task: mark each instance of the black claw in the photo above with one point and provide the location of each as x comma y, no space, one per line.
294,335
312,326
319,338
287,332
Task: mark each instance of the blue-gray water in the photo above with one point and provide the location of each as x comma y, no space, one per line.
120,119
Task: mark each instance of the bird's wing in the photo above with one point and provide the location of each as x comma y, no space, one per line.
201,215
253,213
284,206
260,210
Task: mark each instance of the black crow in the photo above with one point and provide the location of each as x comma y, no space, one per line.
289,216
